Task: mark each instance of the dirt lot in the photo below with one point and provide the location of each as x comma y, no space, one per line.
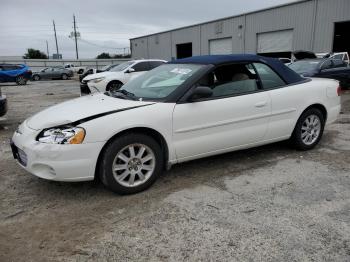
266,204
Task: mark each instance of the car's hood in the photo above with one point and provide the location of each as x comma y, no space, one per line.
80,108
103,74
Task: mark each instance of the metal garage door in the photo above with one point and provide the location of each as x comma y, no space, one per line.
221,46
273,42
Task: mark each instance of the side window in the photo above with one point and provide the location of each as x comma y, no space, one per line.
339,63
154,64
327,65
230,80
338,56
269,78
142,66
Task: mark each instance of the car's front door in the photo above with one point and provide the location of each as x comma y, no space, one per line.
236,115
45,73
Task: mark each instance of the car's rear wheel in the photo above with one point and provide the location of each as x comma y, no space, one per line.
308,130
36,77
114,86
64,76
21,80
80,71
131,163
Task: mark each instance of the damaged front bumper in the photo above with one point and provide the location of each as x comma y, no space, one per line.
54,161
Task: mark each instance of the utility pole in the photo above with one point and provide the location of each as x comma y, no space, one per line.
54,29
47,49
75,36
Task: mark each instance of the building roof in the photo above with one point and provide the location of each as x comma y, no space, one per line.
224,18
289,76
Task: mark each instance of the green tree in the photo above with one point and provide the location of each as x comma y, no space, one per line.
103,56
122,56
34,54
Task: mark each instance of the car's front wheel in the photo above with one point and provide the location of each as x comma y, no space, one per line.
21,80
131,163
64,76
308,130
114,86
36,77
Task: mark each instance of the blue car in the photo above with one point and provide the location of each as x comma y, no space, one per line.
19,74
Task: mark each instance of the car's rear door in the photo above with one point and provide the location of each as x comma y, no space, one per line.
236,115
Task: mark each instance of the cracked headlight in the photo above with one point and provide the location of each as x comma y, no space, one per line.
97,80
62,135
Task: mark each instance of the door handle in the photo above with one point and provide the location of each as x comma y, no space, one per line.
261,104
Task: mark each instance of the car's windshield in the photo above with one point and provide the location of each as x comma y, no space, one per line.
121,67
304,66
161,81
105,67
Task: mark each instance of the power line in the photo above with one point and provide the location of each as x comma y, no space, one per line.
102,46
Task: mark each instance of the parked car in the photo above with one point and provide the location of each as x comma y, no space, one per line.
118,76
75,69
337,55
19,74
52,73
91,71
325,68
3,104
186,109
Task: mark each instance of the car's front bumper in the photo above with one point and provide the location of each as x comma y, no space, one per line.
84,88
54,162
3,105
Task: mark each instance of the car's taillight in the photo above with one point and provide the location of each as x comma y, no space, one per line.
29,71
339,90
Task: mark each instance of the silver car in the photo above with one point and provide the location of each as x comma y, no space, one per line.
53,73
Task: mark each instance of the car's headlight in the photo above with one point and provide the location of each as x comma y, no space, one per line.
96,80
62,135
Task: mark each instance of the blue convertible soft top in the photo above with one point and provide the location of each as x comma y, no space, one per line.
285,72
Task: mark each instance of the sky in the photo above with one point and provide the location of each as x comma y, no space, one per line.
104,25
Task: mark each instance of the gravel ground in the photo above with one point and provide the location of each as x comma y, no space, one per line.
271,203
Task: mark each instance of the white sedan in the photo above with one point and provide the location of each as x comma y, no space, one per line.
115,78
183,110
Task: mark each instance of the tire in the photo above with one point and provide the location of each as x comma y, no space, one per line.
118,165
80,71
36,77
21,80
114,86
64,76
308,130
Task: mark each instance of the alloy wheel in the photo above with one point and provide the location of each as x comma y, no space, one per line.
133,165
310,129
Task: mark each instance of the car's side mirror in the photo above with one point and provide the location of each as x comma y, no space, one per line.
200,92
130,70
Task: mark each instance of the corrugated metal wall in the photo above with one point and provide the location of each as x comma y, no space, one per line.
312,23
328,13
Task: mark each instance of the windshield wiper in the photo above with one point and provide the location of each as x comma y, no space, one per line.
126,93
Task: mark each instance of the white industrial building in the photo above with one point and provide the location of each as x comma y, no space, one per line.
313,25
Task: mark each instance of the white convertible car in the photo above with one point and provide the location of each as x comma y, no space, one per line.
183,110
